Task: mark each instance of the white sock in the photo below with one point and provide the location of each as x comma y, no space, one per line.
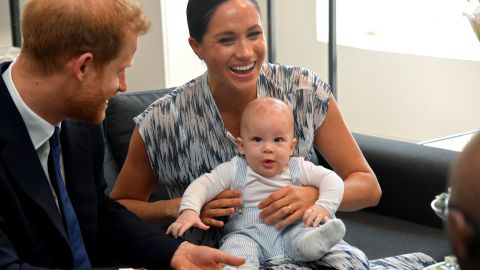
315,243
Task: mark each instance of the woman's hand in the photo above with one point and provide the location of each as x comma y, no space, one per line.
222,206
288,203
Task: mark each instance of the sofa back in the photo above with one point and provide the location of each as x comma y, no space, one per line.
409,174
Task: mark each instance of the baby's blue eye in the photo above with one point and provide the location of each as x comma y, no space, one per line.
257,139
278,139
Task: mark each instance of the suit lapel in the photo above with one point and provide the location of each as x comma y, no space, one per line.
21,160
77,159
23,164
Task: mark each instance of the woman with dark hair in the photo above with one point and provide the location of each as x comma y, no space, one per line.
193,129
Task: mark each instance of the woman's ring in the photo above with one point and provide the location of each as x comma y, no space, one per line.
290,209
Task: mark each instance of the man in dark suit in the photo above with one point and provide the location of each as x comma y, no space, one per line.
463,219
53,210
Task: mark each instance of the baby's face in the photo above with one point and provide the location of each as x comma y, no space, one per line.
267,143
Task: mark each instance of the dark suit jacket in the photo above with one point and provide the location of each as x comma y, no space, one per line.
31,230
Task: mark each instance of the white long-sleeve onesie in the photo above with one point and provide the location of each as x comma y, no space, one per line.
257,187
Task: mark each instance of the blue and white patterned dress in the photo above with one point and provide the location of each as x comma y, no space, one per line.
184,132
185,136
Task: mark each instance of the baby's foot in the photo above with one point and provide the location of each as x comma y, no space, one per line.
319,241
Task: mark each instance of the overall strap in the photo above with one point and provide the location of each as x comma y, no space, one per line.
241,174
239,181
294,167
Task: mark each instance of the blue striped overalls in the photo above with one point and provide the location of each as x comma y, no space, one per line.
249,237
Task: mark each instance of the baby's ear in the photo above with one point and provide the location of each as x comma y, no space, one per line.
293,145
240,146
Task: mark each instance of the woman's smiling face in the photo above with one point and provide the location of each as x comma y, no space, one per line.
233,46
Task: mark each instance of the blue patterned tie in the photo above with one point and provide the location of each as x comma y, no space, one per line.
75,240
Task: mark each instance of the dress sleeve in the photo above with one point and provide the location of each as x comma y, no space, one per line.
315,91
321,93
149,126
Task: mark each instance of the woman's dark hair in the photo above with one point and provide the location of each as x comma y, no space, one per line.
199,14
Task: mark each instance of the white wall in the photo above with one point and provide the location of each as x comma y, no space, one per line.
183,65
5,32
148,70
407,97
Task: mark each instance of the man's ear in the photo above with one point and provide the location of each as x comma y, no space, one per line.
195,47
82,64
460,234
240,146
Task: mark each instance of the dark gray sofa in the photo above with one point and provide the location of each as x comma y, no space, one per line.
410,176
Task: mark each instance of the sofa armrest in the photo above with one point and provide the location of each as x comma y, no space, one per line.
409,174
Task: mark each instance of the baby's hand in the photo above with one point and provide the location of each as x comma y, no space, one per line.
185,221
315,216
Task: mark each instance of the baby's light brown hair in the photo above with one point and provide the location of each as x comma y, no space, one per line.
265,106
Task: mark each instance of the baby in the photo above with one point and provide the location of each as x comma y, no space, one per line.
266,145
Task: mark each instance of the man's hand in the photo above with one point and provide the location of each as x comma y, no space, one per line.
185,221
222,205
192,257
288,203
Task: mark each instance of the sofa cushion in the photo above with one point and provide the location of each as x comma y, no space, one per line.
380,236
411,175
